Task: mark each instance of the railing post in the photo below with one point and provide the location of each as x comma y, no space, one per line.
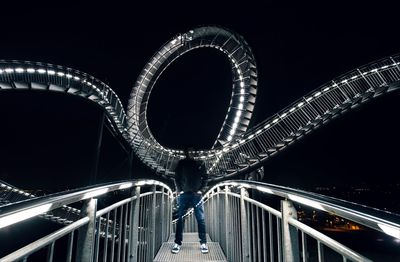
86,234
134,224
219,214
227,225
162,214
153,223
290,239
244,228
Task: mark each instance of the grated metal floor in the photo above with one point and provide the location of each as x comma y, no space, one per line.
190,250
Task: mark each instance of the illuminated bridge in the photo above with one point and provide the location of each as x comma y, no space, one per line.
246,221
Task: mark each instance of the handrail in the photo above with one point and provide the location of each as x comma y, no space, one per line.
269,232
383,221
16,212
44,241
120,226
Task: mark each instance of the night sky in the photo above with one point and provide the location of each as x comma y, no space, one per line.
48,140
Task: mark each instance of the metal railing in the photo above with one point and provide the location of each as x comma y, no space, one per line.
134,227
303,116
249,229
251,221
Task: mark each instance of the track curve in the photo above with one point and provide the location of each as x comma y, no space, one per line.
245,151
244,88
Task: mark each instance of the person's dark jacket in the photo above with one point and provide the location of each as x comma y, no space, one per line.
190,176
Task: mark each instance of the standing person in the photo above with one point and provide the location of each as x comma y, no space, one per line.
190,182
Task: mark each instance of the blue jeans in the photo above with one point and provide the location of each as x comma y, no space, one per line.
187,200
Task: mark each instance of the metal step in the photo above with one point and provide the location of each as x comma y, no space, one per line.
190,250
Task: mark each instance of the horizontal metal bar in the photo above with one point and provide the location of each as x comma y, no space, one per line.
379,220
122,202
17,212
327,241
44,241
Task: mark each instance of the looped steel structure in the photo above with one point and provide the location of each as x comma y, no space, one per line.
236,150
243,96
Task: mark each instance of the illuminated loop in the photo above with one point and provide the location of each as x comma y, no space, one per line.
244,87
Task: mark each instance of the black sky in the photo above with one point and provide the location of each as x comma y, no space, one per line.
297,49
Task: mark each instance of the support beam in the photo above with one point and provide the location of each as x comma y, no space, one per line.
244,227
290,240
94,174
86,234
134,227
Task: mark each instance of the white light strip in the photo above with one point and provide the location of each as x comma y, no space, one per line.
126,185
390,230
23,215
306,201
265,190
95,193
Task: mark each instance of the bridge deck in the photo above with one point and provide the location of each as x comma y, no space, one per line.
190,250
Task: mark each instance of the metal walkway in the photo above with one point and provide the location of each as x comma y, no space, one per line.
190,250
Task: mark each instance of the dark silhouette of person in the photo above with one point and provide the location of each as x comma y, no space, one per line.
190,182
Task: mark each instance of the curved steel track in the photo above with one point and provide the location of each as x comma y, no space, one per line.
235,150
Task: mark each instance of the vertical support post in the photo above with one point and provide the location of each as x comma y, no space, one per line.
86,234
320,252
227,225
290,240
134,224
219,214
70,245
93,176
244,227
162,216
50,253
304,246
153,224
271,237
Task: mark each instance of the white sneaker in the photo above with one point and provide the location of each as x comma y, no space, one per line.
176,248
204,248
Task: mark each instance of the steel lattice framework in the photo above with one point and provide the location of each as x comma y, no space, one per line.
243,96
235,150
